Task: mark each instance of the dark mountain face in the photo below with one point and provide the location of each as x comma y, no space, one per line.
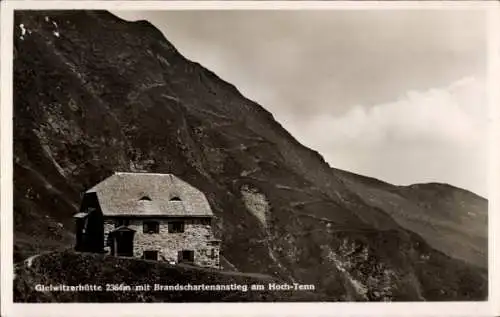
94,94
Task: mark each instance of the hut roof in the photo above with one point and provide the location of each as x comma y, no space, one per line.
148,194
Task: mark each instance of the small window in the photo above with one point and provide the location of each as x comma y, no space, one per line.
176,198
151,227
150,255
121,222
205,221
146,198
186,256
176,227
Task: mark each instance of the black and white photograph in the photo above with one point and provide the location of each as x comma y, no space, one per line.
251,155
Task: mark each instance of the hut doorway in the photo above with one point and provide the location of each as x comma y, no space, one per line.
122,241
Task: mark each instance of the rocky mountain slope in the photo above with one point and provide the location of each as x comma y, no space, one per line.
451,219
94,94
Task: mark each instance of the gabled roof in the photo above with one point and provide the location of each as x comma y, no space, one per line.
122,195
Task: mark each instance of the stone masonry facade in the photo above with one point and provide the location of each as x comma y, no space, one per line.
197,237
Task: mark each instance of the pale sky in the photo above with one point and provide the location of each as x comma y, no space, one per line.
396,95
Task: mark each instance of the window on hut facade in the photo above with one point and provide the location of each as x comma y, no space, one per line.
176,198
151,227
186,256
205,221
121,222
176,227
212,253
150,255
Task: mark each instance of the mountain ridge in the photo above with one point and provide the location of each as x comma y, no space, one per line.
129,101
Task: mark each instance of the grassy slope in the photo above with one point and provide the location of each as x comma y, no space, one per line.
65,268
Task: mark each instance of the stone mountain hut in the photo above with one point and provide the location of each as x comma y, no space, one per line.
148,216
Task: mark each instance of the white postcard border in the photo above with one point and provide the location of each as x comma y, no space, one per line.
476,309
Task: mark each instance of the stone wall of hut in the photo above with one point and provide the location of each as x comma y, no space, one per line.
197,236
